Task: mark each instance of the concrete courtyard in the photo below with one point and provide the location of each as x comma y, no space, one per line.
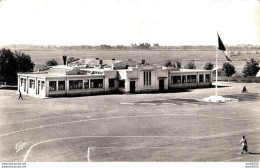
131,127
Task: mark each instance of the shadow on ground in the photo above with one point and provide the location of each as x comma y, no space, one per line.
253,153
9,87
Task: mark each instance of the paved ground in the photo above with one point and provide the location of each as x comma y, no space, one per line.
140,127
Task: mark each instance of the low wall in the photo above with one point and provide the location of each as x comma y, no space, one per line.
239,79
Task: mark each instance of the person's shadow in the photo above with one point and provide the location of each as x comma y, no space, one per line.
253,153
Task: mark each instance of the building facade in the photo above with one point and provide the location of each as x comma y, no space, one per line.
129,78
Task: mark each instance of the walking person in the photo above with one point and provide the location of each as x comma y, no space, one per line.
244,144
244,90
20,95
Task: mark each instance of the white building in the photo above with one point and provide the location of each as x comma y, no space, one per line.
121,76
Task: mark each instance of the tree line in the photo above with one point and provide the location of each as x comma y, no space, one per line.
250,69
134,46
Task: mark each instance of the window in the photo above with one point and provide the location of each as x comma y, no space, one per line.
176,79
25,86
201,78
96,83
147,77
219,73
31,84
42,85
121,83
86,84
191,78
207,78
111,82
76,84
183,78
21,81
61,85
52,85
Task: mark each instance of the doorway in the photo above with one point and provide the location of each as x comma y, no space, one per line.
161,85
132,86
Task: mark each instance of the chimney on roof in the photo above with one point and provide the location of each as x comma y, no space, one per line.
64,59
101,62
97,58
143,62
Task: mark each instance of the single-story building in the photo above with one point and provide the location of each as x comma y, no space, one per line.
64,80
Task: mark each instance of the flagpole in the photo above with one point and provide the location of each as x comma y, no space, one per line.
216,85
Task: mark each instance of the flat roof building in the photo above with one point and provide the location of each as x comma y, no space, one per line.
88,77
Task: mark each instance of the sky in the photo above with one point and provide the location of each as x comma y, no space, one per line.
122,22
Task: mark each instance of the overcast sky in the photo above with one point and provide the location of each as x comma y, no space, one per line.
114,22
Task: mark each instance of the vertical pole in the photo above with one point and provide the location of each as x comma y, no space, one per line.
88,154
216,85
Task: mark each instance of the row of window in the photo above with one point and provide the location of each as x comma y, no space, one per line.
73,84
41,84
79,84
190,78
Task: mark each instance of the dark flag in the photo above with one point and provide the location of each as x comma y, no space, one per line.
227,58
222,47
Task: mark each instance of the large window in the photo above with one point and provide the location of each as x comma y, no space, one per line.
201,78
21,81
86,84
176,79
207,78
191,78
52,85
25,85
183,78
42,85
111,82
31,83
147,77
96,83
76,84
121,83
61,85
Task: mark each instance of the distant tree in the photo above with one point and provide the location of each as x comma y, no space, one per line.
178,64
175,64
71,59
228,69
24,62
251,68
8,66
144,46
190,65
52,62
168,63
134,45
209,66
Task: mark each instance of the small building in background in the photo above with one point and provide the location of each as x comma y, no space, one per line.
95,76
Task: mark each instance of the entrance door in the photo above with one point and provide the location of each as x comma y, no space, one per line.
132,86
161,85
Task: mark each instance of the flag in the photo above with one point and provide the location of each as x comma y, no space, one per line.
227,58
222,48
220,44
